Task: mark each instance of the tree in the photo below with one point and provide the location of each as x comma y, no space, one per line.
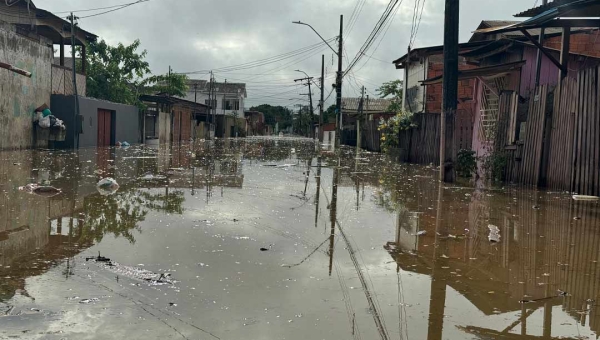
392,89
275,114
121,74
329,115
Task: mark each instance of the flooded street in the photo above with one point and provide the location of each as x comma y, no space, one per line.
268,239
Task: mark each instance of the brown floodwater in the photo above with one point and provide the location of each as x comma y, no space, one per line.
270,239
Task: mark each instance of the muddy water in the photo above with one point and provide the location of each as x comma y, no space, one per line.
267,239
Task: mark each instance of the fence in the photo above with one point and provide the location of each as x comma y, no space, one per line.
62,81
560,148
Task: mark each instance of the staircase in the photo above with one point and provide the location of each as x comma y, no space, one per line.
490,105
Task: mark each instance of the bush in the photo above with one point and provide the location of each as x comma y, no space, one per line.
466,163
391,128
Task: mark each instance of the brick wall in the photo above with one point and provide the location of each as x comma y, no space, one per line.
585,43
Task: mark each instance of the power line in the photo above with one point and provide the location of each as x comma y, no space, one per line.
374,34
99,8
115,9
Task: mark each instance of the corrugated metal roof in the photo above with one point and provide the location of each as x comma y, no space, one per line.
539,9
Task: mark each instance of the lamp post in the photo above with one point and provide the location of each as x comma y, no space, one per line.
338,83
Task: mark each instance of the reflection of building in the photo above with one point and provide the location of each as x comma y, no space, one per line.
541,251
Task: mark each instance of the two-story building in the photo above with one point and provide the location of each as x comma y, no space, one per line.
227,98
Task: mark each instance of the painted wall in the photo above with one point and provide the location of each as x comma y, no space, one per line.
126,120
549,73
415,74
202,98
20,95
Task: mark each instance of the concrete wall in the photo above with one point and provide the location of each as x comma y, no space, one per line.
20,95
220,97
126,120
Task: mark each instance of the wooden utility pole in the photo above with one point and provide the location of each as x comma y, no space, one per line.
312,114
338,86
322,101
360,115
450,92
75,94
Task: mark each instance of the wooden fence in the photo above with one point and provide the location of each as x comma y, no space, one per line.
560,148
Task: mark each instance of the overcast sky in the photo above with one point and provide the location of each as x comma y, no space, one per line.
193,35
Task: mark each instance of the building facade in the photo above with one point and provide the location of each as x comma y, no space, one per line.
228,98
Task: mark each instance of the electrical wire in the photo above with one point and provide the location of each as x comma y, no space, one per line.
115,9
98,8
374,34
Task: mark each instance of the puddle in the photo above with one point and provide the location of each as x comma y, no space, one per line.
265,238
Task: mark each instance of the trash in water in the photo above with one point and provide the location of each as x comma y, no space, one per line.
98,258
265,249
585,198
46,191
494,235
92,300
107,186
420,233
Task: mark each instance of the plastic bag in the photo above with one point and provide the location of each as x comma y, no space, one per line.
107,186
44,123
494,235
37,116
46,112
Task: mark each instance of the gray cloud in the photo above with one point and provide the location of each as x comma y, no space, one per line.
192,35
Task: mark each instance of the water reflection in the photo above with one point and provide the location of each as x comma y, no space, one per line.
547,255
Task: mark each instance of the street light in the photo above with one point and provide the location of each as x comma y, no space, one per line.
314,30
339,76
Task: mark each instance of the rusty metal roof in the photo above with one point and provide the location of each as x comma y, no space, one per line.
542,8
479,72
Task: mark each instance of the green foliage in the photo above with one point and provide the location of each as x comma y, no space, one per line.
466,163
275,114
329,115
392,89
303,122
391,128
121,74
494,165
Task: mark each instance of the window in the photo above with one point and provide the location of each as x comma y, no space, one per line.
232,104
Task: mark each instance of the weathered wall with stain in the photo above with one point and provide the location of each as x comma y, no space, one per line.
20,95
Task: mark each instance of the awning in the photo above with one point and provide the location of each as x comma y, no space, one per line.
479,72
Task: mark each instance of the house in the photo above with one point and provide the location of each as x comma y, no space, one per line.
172,120
255,123
492,61
228,98
28,35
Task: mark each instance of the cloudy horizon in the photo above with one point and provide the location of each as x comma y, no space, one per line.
200,35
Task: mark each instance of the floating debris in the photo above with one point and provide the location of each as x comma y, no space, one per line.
107,186
494,235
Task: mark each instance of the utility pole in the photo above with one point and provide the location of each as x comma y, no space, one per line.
338,86
538,63
361,110
312,114
450,92
321,101
75,94
169,82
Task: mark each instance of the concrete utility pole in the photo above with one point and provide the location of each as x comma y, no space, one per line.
75,94
312,113
338,86
321,102
450,93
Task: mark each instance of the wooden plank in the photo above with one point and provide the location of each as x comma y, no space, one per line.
596,125
578,133
585,142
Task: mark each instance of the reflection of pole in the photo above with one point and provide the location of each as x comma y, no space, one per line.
318,190
437,297
308,166
193,179
333,213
